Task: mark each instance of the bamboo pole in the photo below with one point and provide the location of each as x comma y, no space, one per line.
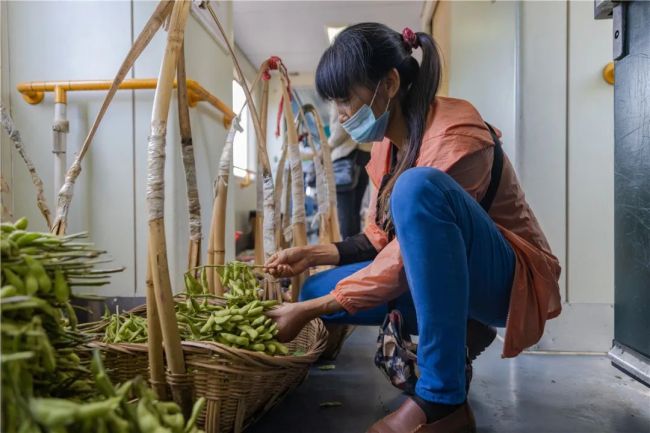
145,36
267,177
259,214
154,341
155,201
297,183
14,135
217,252
187,152
287,228
326,150
281,177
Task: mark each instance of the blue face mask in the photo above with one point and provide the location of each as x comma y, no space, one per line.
363,127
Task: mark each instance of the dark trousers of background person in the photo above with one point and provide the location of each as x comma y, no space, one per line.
351,182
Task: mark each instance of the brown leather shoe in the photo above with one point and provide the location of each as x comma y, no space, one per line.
409,418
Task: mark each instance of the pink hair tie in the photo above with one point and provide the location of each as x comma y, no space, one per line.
410,39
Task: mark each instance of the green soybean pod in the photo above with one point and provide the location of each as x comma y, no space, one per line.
31,283
44,283
258,321
16,234
6,248
281,348
242,341
27,239
255,311
237,318
270,303
208,325
230,338
175,421
244,310
223,312
219,320
61,288
14,279
8,291
204,279
258,347
250,331
72,317
7,227
21,224
196,411
53,412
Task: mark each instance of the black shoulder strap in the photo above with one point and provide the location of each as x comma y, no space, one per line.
495,175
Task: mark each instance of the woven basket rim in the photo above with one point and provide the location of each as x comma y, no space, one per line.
252,358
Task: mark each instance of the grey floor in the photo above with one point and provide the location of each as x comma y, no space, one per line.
528,394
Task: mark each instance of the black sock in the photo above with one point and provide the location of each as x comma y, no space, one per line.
435,411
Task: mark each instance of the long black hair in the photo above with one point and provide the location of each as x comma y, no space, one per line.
363,54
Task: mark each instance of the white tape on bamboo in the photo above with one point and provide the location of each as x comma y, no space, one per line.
14,136
225,162
269,216
155,188
287,228
189,165
297,185
280,184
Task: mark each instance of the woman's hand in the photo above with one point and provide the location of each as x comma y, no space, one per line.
296,260
290,318
288,263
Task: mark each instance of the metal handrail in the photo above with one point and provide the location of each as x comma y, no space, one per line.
33,92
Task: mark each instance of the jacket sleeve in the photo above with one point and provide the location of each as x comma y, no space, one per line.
379,282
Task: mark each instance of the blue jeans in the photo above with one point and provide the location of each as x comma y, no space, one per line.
458,265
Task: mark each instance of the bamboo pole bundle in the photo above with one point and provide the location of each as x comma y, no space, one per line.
263,157
187,152
65,194
217,241
14,135
155,205
297,183
333,217
322,191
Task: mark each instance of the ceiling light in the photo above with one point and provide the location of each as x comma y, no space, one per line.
333,31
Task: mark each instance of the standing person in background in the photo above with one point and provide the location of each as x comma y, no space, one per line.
349,162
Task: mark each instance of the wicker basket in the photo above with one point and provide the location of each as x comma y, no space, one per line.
239,385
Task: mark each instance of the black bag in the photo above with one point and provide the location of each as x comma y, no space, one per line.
346,172
396,355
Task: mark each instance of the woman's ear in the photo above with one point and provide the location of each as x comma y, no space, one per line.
392,83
